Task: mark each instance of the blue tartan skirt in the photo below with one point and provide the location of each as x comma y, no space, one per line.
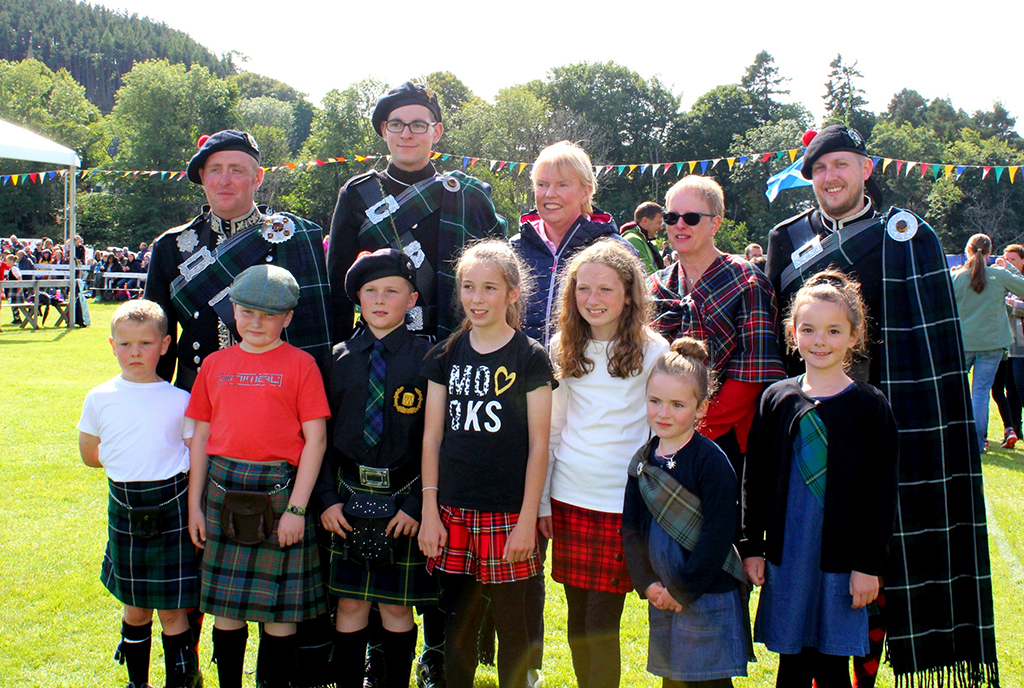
159,572
263,582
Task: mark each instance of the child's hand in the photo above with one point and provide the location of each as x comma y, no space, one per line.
754,568
520,544
402,524
545,527
864,589
333,519
197,527
659,596
432,535
290,529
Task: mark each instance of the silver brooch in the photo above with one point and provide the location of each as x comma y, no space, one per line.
451,183
187,241
278,229
902,226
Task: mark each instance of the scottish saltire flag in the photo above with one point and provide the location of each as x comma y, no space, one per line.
789,178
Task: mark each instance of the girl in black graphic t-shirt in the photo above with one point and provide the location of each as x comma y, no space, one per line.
485,455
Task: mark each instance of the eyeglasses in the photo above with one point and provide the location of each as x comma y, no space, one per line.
397,126
692,219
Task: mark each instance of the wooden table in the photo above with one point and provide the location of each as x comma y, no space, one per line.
30,311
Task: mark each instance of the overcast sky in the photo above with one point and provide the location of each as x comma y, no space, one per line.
970,53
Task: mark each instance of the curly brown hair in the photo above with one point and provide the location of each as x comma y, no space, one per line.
626,356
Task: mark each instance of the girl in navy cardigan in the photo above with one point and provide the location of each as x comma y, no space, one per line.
820,493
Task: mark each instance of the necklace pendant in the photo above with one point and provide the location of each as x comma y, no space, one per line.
670,464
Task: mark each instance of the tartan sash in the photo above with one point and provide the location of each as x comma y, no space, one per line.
207,273
467,213
678,511
812,454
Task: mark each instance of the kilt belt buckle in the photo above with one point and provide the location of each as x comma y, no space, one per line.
374,477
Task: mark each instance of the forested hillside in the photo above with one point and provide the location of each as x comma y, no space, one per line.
96,46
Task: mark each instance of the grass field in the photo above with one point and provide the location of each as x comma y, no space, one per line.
59,626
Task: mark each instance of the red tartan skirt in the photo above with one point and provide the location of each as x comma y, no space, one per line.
476,545
587,549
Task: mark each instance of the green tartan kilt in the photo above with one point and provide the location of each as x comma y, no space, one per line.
258,582
405,583
160,572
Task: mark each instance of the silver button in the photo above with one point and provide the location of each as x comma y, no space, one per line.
195,345
270,258
196,315
196,359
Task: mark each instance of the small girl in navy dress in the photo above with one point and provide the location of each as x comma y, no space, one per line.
819,493
678,523
485,454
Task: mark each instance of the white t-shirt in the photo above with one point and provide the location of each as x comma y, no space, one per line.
597,424
141,426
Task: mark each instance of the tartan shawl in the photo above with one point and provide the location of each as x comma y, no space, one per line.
677,510
467,214
302,255
938,579
732,307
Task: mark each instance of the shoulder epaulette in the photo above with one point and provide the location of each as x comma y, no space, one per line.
791,220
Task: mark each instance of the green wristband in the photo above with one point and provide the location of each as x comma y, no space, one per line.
297,510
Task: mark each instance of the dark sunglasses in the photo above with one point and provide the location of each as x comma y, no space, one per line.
692,219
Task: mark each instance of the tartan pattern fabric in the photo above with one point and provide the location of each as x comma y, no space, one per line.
476,545
467,214
732,308
302,255
938,582
263,582
406,582
156,573
373,425
586,550
810,449
677,510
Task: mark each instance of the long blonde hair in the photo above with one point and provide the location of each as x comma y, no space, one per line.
626,353
499,254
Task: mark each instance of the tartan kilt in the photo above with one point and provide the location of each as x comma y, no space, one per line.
587,549
404,583
476,543
151,573
258,582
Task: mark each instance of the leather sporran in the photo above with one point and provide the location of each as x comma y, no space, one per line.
145,522
247,517
367,544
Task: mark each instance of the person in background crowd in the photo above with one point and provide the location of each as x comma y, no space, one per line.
753,251
641,232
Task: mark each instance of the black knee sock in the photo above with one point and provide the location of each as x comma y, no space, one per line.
398,650
275,660
180,662
229,654
375,669
349,652
133,651
509,609
463,610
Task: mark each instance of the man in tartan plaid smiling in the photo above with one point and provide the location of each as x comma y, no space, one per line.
193,264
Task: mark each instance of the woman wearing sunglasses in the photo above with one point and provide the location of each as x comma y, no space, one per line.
709,295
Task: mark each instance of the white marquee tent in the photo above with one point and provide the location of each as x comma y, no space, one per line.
21,144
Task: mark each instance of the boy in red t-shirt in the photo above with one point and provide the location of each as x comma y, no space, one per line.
261,427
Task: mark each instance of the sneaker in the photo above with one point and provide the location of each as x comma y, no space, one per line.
1009,439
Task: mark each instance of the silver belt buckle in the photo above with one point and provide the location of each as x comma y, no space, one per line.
374,477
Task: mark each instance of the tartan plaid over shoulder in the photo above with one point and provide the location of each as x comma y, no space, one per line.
938,581
732,307
467,215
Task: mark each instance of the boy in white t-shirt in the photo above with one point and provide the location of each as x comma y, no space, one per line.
134,427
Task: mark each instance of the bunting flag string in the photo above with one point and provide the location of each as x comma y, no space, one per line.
902,167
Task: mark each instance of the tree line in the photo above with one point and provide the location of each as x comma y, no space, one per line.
162,107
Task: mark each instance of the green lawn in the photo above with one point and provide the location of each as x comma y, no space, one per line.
59,626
